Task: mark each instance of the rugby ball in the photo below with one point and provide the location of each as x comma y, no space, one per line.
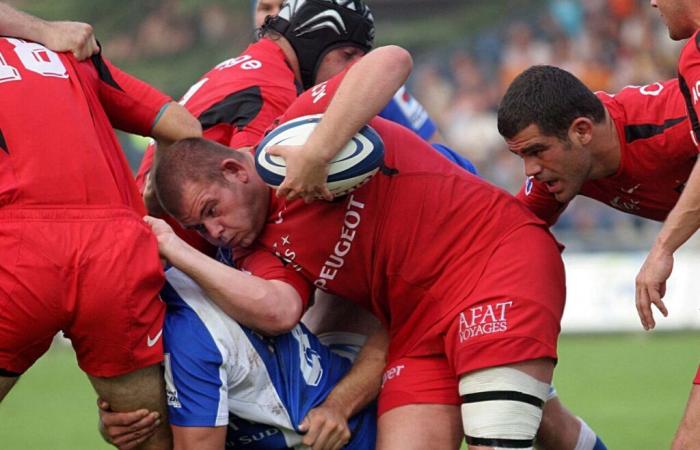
351,168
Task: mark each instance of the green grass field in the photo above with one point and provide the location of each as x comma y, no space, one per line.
630,388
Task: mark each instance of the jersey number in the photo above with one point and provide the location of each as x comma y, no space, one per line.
35,58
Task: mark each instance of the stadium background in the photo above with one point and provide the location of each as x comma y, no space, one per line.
629,385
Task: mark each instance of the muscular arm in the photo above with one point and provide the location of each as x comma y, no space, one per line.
269,306
201,438
366,88
59,36
681,223
327,424
175,123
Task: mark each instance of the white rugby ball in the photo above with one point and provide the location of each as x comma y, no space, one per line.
352,166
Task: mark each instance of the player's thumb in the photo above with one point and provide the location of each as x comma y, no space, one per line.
304,425
277,150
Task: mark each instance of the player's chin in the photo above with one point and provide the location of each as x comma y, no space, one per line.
564,196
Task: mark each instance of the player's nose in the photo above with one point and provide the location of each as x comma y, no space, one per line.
532,166
214,229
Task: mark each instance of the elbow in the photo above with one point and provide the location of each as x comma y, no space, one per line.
281,319
396,60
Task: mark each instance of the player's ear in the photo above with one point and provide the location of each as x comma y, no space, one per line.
233,169
581,130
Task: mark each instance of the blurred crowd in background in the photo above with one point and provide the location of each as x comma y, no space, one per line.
461,71
608,44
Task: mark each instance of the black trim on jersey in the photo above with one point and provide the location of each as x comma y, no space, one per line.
388,171
697,41
692,115
3,143
103,70
501,443
239,109
7,373
647,130
503,395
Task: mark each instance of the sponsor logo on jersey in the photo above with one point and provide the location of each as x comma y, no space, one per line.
309,359
319,91
151,341
348,231
529,182
484,319
624,204
392,373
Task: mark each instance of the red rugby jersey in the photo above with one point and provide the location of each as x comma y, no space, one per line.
57,145
657,155
689,81
238,99
409,245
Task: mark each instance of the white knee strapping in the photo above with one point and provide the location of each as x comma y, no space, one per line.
586,437
501,407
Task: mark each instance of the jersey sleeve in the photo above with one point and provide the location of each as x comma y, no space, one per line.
131,104
314,100
405,110
535,196
194,371
688,79
263,264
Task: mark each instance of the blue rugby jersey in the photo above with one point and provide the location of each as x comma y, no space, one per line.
407,111
220,373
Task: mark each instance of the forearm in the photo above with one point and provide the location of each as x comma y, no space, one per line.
18,24
175,123
366,89
684,218
361,385
271,307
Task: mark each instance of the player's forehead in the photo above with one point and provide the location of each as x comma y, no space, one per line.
195,196
527,138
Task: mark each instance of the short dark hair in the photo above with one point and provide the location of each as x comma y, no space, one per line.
548,97
188,160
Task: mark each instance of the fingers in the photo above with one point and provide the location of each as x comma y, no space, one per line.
86,49
128,430
647,296
324,434
308,195
132,439
643,303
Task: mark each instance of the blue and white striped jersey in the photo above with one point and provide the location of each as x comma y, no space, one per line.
220,373
407,111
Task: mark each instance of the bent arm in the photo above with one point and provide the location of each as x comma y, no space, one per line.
681,223
361,385
684,218
364,91
271,307
369,84
175,123
326,426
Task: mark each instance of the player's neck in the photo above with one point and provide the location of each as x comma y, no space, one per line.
289,55
606,149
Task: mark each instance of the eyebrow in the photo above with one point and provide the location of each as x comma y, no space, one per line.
534,148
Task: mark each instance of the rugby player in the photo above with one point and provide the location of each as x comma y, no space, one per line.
631,150
470,323
76,255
